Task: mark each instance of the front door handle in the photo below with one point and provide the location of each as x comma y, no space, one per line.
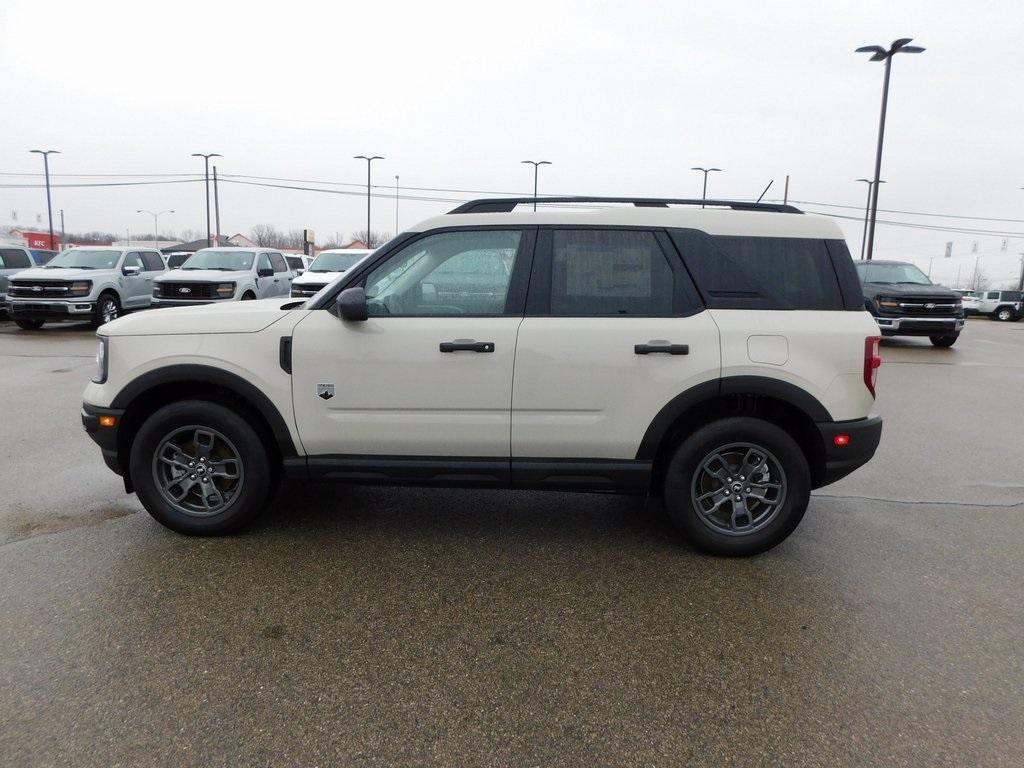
661,348
467,345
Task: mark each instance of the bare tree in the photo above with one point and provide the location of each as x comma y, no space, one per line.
296,238
372,239
266,236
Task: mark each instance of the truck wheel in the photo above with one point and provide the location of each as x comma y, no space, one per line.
107,309
199,468
944,340
1005,314
247,296
28,324
737,486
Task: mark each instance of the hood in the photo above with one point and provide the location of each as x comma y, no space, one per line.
892,289
201,276
230,317
316,278
42,273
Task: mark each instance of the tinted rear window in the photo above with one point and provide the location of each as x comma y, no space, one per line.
761,272
13,258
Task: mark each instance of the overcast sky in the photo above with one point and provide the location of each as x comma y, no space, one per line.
623,98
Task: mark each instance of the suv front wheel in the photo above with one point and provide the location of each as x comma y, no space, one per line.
200,468
737,486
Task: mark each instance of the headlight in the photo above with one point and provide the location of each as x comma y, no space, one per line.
101,360
225,289
889,303
80,288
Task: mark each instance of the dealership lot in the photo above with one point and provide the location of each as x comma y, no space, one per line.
400,626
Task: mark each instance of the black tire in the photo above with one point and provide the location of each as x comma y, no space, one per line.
248,296
684,473
107,309
944,340
243,500
1003,314
28,324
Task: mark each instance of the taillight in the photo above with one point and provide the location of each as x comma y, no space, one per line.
872,362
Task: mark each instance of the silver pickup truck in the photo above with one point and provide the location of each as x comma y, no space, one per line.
94,285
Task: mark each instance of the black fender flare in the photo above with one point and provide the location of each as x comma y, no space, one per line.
206,374
730,385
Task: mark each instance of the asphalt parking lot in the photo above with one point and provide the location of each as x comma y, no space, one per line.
390,627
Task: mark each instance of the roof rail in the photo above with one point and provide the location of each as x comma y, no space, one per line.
508,204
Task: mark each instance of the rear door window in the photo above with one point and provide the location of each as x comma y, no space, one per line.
154,262
280,265
738,272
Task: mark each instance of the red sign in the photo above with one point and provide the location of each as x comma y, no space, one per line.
42,241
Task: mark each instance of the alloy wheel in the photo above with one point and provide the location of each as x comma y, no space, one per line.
198,471
738,489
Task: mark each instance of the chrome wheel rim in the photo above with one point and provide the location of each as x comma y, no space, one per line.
198,471
108,310
738,489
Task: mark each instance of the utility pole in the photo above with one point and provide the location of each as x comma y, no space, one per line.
867,215
206,166
396,203
369,162
881,54
216,208
785,193
61,229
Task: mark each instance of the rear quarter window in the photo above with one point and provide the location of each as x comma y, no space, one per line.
14,258
738,272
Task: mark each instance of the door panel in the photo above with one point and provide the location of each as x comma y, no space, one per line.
581,391
134,287
396,393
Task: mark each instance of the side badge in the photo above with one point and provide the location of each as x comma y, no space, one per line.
325,391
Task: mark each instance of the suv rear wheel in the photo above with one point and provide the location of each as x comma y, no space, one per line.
737,486
28,324
1005,314
200,468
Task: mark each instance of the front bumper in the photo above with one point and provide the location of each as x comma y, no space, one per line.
104,437
918,326
50,310
158,302
863,438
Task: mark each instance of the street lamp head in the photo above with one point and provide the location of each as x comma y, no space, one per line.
368,159
44,151
705,170
207,156
898,46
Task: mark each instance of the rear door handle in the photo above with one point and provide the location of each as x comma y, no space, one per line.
467,345
661,349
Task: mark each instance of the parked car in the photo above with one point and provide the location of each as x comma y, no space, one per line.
969,301
15,259
224,274
298,263
1001,305
175,259
326,267
84,284
634,349
904,302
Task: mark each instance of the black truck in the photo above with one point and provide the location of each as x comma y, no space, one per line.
905,302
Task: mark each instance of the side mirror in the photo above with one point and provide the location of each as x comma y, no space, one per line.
131,271
300,272
351,304
265,272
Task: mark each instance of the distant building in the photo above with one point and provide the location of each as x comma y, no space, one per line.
36,239
241,241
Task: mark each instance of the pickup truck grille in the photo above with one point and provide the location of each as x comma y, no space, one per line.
38,289
927,306
306,289
188,290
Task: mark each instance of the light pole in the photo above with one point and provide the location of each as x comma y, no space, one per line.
536,165
867,215
396,203
369,162
206,165
46,171
878,53
705,171
156,224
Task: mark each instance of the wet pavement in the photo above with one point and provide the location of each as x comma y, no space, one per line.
366,626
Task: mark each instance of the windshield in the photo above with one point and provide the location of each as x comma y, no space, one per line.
80,258
334,262
892,273
226,261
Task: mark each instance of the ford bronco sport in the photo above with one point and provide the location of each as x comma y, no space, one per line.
720,358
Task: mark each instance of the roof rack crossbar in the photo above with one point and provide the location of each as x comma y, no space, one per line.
508,204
